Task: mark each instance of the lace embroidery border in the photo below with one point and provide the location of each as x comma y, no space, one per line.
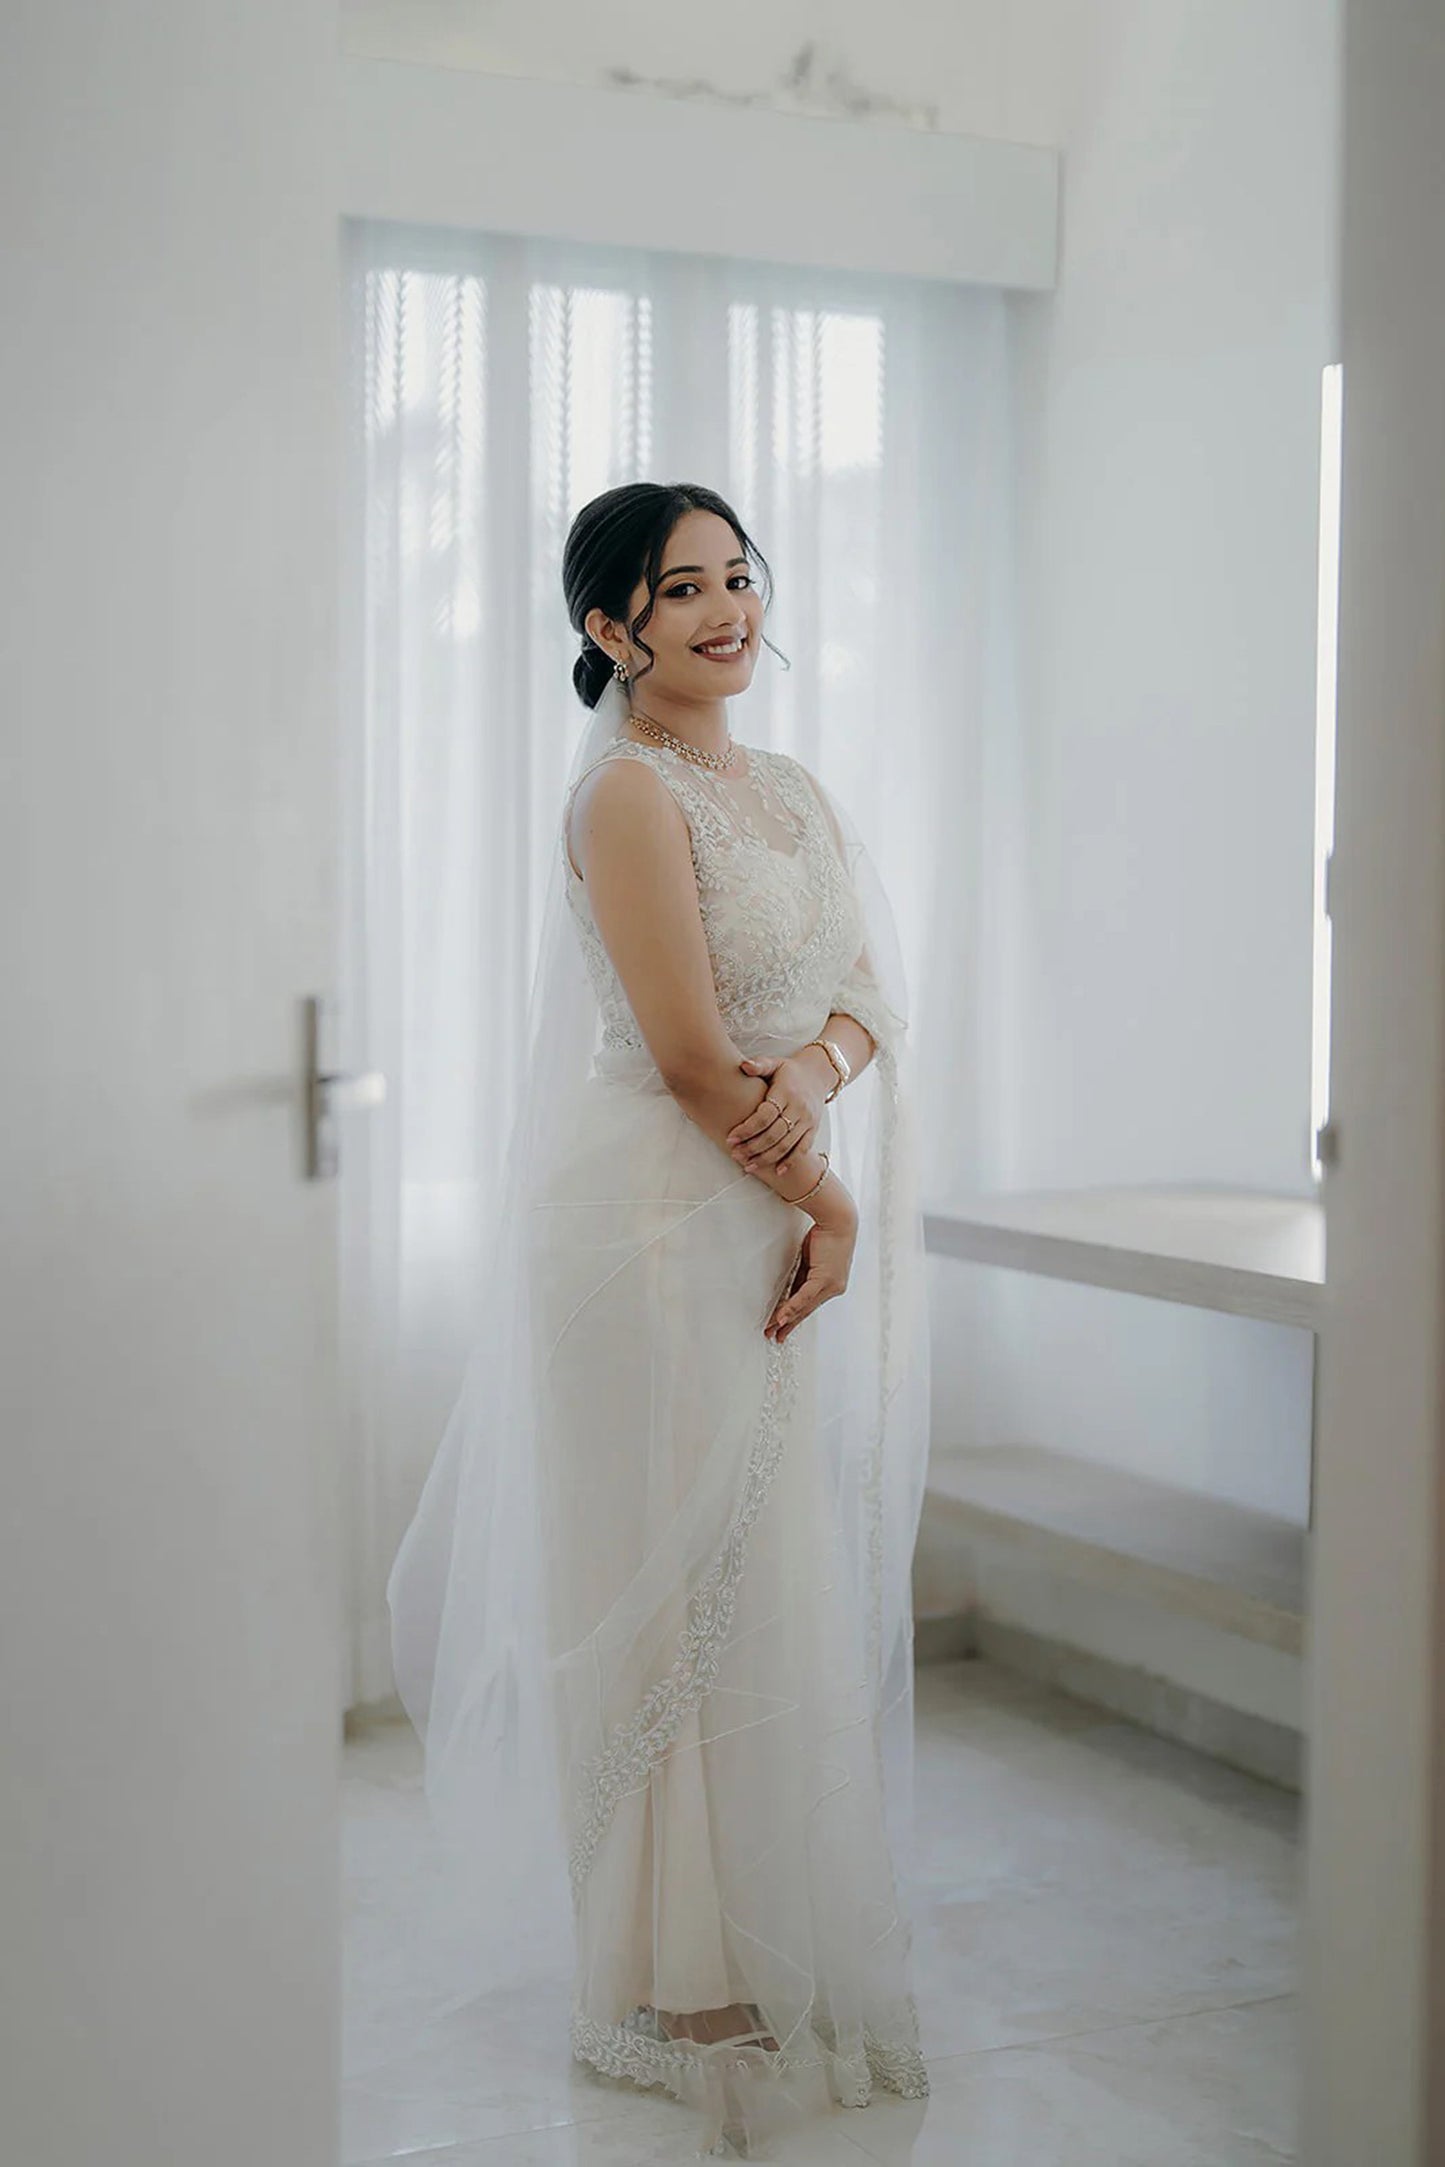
637,1743
639,2051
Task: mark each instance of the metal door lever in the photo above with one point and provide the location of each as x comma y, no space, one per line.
330,1092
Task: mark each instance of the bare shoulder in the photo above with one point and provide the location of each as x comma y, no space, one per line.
624,802
621,788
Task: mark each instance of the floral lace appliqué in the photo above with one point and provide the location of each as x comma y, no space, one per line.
783,927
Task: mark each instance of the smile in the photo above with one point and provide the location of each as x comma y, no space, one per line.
723,650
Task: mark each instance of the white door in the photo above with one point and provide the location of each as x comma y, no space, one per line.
168,1607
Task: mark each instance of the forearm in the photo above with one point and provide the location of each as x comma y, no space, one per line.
849,1035
714,1093
853,1042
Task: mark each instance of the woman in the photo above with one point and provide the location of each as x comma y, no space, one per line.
655,1600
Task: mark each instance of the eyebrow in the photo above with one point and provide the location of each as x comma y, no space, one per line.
699,568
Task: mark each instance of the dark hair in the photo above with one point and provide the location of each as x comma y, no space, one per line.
618,539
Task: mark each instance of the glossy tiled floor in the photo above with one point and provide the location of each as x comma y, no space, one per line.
1104,1968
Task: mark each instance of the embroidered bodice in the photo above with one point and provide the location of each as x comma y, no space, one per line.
782,920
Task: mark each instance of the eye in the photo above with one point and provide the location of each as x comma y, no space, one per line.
687,586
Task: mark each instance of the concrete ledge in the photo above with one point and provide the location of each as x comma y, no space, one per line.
1272,1751
1245,1254
1239,1570
369,1715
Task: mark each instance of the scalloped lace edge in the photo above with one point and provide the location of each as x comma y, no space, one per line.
640,2052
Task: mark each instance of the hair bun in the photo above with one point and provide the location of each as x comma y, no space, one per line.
590,673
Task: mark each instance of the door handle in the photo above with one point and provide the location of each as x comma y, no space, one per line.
330,1092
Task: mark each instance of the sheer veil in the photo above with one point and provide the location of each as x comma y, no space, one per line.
473,1645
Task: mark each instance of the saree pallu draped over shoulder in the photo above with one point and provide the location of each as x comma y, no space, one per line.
674,1671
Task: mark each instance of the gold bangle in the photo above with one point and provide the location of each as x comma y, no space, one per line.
817,1185
840,1075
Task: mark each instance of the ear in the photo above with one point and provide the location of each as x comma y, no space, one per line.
601,627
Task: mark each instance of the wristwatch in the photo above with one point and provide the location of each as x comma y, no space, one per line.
839,1060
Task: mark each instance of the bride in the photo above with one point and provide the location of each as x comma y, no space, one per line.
652,1616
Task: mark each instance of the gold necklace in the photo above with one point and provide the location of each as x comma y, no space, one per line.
664,736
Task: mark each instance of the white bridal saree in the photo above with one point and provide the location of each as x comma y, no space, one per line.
652,1616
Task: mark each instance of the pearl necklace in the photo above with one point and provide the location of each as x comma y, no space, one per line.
664,736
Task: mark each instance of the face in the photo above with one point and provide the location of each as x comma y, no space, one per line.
705,597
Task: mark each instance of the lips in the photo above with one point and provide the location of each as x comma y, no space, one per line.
714,651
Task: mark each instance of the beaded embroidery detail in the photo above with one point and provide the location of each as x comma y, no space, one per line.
783,929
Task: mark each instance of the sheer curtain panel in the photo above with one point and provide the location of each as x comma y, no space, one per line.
496,383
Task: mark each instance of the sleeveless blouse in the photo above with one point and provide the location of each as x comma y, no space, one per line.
783,925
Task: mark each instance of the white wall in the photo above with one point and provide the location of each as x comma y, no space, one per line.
1155,824
967,67
1168,429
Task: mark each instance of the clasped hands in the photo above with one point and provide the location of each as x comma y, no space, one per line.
786,1119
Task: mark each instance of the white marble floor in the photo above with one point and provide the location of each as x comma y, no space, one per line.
1104,1968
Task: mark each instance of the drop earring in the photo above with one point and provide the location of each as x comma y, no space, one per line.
619,671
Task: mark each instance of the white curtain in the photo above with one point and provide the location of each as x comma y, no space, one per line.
860,428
